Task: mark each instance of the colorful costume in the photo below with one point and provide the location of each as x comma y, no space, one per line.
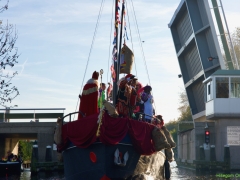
126,98
158,121
139,103
89,97
101,98
109,92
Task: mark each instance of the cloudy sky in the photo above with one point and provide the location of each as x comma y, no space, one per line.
54,40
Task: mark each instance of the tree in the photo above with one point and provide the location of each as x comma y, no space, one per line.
5,7
184,108
8,58
236,43
185,115
235,37
172,127
25,150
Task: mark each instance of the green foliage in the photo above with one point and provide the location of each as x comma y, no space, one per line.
174,134
184,108
25,150
185,115
172,127
185,126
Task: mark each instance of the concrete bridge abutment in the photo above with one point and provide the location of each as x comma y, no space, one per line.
11,133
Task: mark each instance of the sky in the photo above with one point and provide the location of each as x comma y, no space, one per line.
54,40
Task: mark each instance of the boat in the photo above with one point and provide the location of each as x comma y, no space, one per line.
129,154
104,147
10,168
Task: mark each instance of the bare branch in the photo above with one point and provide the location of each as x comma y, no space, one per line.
5,7
8,58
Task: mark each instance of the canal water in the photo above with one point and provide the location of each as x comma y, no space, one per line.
177,174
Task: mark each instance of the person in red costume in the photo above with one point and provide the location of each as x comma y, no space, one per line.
89,97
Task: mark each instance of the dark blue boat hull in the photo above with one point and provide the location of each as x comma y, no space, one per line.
78,164
10,168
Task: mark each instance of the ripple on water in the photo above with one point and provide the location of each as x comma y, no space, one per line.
177,174
26,175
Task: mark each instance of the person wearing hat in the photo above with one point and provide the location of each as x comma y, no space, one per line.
139,109
89,97
147,98
134,82
126,97
101,95
109,92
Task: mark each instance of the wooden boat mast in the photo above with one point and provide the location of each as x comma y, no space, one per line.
117,62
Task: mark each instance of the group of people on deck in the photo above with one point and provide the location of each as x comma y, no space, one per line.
132,100
11,157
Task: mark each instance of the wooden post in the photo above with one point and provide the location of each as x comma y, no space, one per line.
212,153
48,155
227,158
34,159
213,164
202,154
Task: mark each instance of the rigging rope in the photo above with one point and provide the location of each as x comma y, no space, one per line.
131,37
93,40
140,42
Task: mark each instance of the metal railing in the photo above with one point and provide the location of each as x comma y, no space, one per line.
70,114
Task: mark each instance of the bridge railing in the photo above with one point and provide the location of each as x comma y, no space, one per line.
70,115
6,115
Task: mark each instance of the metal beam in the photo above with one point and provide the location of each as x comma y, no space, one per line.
30,115
26,109
222,34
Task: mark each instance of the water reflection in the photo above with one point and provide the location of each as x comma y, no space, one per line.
26,175
177,174
48,176
187,174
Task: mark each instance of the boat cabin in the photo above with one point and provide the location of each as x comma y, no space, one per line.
222,94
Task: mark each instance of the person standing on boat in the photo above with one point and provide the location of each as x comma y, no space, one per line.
101,95
109,92
126,98
133,99
139,103
89,97
147,98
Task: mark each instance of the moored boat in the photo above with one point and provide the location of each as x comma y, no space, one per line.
10,168
107,146
123,150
